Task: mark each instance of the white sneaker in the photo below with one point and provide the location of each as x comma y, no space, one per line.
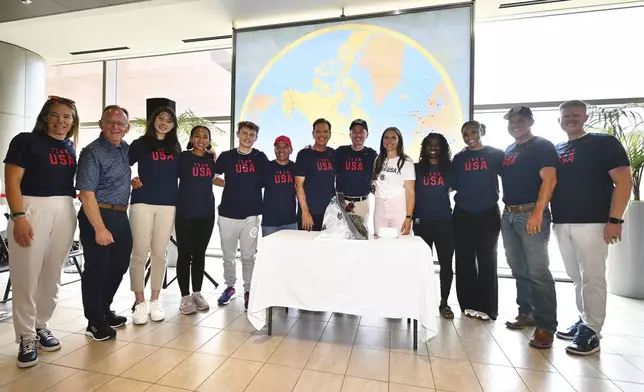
482,316
140,315
200,301
470,312
156,311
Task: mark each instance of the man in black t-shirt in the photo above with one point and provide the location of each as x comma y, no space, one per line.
241,204
354,167
278,211
593,190
315,178
528,173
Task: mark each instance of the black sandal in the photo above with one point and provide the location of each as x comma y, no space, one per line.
446,312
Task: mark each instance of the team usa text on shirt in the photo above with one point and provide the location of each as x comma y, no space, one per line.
201,170
245,166
353,164
475,164
324,164
433,179
161,155
283,177
62,157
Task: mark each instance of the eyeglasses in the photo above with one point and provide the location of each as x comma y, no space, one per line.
61,100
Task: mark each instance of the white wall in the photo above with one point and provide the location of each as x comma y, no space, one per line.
22,94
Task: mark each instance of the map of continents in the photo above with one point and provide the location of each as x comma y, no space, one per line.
355,71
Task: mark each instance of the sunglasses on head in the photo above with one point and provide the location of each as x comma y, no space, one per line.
61,100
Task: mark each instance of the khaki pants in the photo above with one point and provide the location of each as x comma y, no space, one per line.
151,227
35,270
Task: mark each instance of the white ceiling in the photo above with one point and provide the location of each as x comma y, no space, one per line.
159,26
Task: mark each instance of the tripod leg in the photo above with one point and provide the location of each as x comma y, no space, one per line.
211,279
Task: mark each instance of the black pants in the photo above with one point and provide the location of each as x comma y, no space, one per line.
477,237
440,235
318,219
193,235
104,265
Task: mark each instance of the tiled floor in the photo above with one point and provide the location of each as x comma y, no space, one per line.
310,352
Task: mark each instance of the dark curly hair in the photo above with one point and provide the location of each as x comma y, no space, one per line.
444,156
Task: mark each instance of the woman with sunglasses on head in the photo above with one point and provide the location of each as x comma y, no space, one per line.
39,180
393,179
433,209
195,216
477,223
152,208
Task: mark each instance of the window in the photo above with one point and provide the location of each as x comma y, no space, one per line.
198,81
82,83
587,55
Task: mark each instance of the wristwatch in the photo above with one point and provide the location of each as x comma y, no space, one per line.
408,217
615,221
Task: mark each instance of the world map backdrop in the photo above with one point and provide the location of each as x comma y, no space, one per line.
411,71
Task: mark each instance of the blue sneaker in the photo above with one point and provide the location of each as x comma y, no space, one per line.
28,352
569,334
47,341
586,342
226,296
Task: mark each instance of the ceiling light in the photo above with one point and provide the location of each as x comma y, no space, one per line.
27,2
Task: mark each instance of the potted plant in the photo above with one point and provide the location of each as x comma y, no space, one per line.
626,259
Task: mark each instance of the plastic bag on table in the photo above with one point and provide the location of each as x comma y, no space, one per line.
341,222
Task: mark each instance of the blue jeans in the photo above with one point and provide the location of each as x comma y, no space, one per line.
268,230
527,256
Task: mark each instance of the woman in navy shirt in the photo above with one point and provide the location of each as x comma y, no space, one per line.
433,209
39,179
477,223
153,208
195,217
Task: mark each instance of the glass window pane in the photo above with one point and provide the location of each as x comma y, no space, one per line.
589,55
198,81
82,83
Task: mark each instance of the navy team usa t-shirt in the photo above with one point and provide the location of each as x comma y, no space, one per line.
520,170
584,188
319,172
157,171
244,175
476,179
354,170
432,193
196,198
279,195
49,163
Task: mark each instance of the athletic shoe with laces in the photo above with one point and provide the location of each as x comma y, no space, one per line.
140,314
47,341
226,296
114,320
156,311
187,305
28,352
100,331
586,342
569,334
200,301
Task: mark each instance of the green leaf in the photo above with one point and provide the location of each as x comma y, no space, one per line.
627,125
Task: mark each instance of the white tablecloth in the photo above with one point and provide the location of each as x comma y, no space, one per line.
391,278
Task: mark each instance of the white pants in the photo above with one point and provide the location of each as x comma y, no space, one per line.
35,271
151,227
389,212
584,253
245,231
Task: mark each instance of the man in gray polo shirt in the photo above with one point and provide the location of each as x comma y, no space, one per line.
103,179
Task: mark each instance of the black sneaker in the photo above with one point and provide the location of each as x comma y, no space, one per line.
28,352
246,297
569,334
114,320
47,341
100,332
586,342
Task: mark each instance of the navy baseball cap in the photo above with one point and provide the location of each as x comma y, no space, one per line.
523,111
359,121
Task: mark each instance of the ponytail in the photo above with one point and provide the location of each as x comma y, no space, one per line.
189,146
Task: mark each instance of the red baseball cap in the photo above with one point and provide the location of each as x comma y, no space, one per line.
284,139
